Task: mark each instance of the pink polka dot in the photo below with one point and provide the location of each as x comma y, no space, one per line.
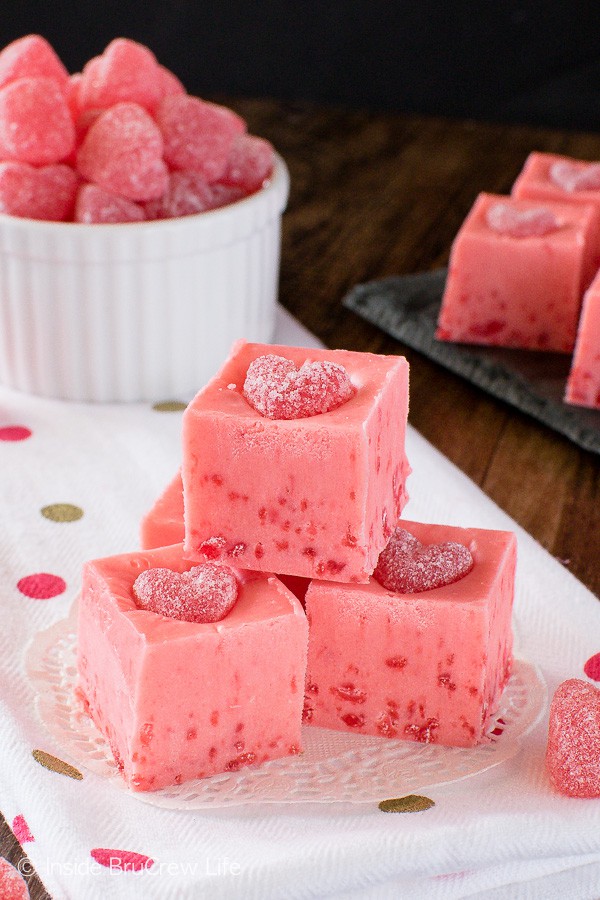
592,667
14,433
41,586
121,860
21,831
12,883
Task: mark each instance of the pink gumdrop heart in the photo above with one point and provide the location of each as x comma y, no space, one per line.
35,122
521,223
95,206
572,177
45,193
206,593
122,153
126,72
198,135
407,566
573,750
278,390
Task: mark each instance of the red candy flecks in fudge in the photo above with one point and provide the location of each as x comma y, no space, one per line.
517,273
583,383
179,700
427,666
316,496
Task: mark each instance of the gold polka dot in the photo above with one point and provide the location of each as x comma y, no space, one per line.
169,406
408,804
54,764
62,512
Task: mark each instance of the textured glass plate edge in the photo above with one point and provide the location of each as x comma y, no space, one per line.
390,767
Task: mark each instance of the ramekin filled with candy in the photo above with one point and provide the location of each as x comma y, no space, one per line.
139,227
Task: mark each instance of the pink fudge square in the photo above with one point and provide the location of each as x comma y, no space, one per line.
427,666
522,292
163,525
583,383
311,497
178,700
561,179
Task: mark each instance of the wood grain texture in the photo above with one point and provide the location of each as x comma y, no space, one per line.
380,194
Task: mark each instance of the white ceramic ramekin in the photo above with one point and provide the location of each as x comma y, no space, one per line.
139,311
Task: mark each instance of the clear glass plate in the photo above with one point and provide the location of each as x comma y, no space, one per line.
334,767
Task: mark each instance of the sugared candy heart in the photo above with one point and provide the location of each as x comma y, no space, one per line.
571,177
127,72
249,164
278,390
31,193
31,57
35,122
204,594
187,193
122,153
95,206
573,751
198,135
407,566
521,223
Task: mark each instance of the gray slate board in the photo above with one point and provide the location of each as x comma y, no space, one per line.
407,306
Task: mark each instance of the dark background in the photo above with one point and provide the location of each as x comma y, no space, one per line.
501,60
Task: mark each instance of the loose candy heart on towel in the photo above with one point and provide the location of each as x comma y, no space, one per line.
572,178
573,751
278,390
206,593
521,223
407,566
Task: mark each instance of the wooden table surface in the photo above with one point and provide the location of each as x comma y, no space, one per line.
375,195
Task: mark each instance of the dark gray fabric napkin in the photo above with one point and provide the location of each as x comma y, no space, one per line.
407,306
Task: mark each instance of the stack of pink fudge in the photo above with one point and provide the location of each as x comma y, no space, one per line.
524,270
277,585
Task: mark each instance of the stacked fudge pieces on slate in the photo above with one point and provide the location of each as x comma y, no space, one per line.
195,658
523,270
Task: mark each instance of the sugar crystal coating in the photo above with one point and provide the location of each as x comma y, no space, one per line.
37,193
204,594
521,223
198,135
95,205
573,750
249,164
275,388
407,566
572,178
187,193
31,57
122,153
35,122
125,72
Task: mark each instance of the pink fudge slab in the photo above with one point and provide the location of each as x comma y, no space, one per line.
428,666
163,525
523,292
311,497
561,179
583,383
178,700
